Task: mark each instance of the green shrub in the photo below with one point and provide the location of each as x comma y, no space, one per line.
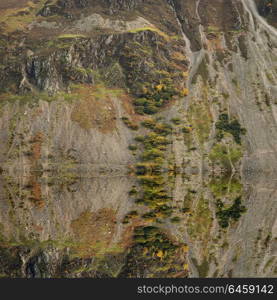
149,123
176,121
152,99
139,239
154,140
140,102
151,181
163,129
140,202
185,130
224,155
175,220
132,214
141,169
150,108
234,212
139,138
150,231
133,191
133,147
149,215
233,127
148,168
131,125
139,110
152,154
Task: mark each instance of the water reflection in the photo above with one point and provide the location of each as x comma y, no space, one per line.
60,211
79,229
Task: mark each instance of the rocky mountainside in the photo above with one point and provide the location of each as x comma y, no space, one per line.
138,138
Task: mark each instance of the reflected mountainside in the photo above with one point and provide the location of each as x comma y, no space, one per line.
117,229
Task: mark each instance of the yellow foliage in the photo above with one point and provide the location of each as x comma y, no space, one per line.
160,254
153,29
145,90
160,203
185,92
185,74
159,214
145,251
159,87
185,248
150,220
186,267
189,127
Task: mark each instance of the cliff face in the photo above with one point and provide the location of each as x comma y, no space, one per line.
179,95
